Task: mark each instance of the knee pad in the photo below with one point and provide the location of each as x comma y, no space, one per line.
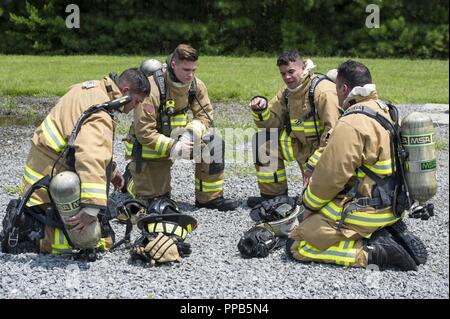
215,145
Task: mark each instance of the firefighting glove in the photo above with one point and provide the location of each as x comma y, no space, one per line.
162,249
181,150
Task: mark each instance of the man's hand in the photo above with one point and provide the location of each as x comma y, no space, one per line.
118,181
258,103
306,178
84,218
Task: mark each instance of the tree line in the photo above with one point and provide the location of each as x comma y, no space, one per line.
406,28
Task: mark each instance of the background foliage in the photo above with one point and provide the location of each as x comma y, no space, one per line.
408,28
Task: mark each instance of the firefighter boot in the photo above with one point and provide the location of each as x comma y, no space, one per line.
412,244
221,204
385,252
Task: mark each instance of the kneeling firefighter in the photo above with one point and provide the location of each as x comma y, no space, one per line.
63,207
358,193
161,133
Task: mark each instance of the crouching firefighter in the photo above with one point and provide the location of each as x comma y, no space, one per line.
294,125
162,133
63,207
358,193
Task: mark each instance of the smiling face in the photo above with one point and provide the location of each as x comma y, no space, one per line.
184,70
291,73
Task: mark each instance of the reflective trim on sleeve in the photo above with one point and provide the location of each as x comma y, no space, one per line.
52,135
33,202
160,149
93,190
31,176
314,201
313,159
307,127
261,116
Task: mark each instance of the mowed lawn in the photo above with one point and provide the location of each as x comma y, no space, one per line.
227,78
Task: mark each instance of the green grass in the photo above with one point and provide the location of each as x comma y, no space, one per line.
441,145
227,78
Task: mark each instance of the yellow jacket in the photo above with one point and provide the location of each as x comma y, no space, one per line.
93,145
356,140
146,127
303,129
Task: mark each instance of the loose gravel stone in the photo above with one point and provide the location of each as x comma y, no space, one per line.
215,268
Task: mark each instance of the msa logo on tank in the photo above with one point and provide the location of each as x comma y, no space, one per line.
424,166
68,207
411,140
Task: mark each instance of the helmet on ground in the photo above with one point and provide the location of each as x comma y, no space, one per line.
170,224
162,205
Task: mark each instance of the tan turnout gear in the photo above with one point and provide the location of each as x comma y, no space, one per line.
93,149
154,178
334,232
301,144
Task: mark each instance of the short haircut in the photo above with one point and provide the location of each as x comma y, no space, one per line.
288,57
137,81
185,52
354,74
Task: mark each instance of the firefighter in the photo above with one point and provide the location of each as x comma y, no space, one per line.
92,162
349,218
296,122
153,142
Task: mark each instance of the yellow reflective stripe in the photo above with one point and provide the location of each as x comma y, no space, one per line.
128,148
52,135
381,167
130,188
60,244
33,202
261,116
333,211
314,201
208,186
93,190
286,146
297,125
31,176
164,228
268,177
310,128
160,149
335,253
315,157
179,119
101,243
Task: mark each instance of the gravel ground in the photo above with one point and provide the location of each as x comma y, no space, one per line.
215,268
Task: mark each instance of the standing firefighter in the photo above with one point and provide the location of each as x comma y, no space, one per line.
297,121
153,143
354,203
82,151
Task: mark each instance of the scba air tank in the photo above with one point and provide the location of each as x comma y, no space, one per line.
65,192
418,138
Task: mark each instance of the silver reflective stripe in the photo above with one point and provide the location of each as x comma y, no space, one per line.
330,252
